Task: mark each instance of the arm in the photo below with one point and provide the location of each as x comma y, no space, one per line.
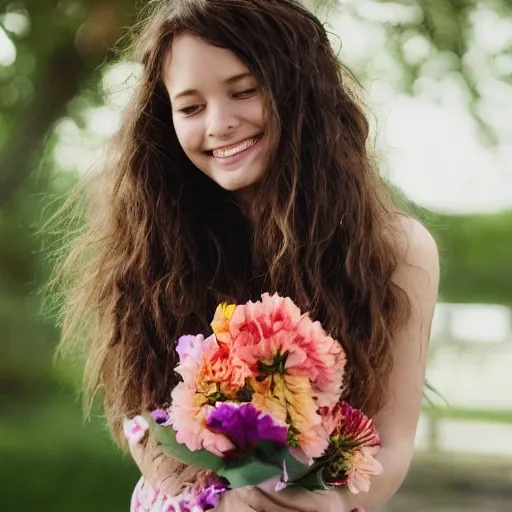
161,472
418,276
163,481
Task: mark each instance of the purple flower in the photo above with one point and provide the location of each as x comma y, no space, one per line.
160,416
190,346
245,425
209,496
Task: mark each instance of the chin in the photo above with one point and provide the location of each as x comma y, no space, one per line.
235,187
236,183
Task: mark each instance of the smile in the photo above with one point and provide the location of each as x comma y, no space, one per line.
231,151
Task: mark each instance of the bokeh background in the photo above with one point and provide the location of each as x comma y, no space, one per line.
438,81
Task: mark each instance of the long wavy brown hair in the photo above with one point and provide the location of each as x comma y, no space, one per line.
163,244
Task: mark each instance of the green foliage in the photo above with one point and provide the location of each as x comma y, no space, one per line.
476,257
53,462
485,415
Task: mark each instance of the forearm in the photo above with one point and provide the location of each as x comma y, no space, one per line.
396,462
159,470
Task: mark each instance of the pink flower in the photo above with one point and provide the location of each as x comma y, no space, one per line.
275,326
221,372
135,429
211,372
190,350
188,415
363,466
354,443
211,367
296,366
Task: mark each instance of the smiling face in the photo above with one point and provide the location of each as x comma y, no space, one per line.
217,111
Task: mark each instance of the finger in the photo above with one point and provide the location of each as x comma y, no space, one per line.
336,500
263,502
293,498
269,485
232,501
302,500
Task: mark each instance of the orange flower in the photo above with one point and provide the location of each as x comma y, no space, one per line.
221,371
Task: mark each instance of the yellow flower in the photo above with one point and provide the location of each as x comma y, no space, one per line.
289,398
269,398
221,319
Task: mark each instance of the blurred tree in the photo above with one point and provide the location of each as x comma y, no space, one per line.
468,42
56,47
59,45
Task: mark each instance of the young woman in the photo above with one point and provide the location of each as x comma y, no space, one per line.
241,167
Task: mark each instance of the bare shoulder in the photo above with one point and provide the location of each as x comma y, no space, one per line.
417,245
418,266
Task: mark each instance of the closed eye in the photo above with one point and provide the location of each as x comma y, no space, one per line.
246,94
190,111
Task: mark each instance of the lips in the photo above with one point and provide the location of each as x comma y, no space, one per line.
235,149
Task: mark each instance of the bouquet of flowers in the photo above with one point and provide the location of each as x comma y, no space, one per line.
261,398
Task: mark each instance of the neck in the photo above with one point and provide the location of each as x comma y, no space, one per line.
244,198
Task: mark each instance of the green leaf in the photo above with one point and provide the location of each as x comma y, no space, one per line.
296,469
270,452
313,481
252,472
167,439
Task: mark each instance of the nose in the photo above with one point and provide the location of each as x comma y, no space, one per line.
222,120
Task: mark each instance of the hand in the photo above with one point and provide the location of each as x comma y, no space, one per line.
233,501
262,499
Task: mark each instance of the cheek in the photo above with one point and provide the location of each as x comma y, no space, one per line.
190,135
255,112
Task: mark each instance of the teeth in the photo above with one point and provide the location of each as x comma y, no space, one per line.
225,153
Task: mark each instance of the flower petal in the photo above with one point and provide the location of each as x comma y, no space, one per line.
245,425
135,429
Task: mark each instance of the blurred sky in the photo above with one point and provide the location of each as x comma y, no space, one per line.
429,144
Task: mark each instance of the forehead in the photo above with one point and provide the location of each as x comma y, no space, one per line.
191,61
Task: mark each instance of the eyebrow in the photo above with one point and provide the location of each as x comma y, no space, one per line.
228,81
